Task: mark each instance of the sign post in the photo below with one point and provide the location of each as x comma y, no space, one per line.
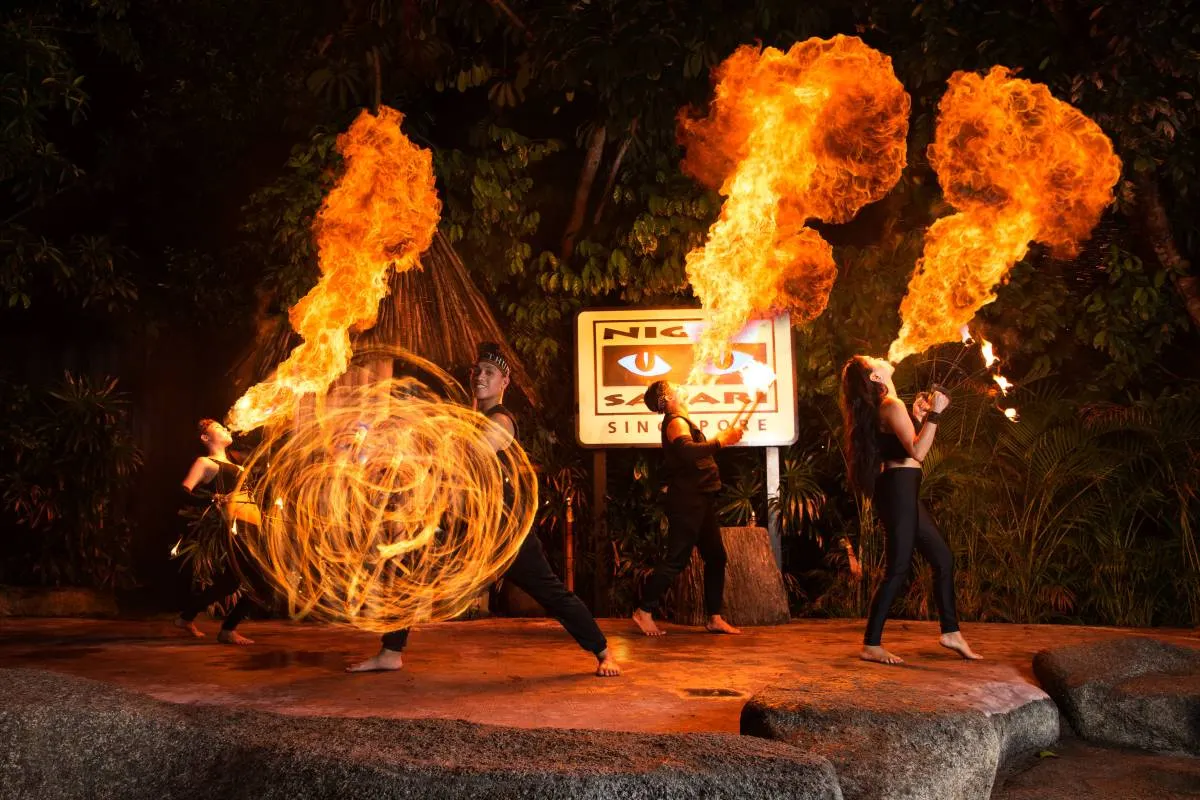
620,352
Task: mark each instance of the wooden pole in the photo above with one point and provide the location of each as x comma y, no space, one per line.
599,524
773,505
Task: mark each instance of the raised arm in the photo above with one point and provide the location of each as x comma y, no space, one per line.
895,417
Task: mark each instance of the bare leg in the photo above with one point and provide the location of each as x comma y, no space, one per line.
956,642
880,656
718,625
645,621
606,665
383,661
232,637
189,626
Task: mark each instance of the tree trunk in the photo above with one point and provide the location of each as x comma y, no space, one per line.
1158,228
754,592
584,190
612,173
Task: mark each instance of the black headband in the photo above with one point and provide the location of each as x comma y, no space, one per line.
497,359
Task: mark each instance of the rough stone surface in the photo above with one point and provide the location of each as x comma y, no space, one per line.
1130,691
1102,772
55,602
66,737
896,738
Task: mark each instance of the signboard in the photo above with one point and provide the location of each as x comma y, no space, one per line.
620,352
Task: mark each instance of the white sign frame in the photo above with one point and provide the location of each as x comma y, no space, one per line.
609,415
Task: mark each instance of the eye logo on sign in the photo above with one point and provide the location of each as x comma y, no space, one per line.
656,367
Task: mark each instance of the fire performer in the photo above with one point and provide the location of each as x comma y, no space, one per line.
530,571
211,487
693,483
884,453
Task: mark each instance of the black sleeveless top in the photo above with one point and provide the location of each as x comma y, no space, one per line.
500,409
225,481
685,474
890,446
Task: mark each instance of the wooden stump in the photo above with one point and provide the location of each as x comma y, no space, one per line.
754,593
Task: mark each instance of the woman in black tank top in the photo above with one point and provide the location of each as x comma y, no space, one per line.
693,482
884,453
211,487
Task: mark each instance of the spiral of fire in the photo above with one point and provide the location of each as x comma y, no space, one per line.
387,507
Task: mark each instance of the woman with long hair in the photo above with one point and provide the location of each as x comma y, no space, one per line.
884,452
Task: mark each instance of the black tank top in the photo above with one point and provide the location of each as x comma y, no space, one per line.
225,481
890,446
683,474
500,409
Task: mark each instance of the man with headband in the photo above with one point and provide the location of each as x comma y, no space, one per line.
530,571
692,486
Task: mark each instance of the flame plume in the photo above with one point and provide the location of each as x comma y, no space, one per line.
1020,166
381,215
817,132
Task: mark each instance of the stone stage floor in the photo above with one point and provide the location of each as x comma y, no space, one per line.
529,673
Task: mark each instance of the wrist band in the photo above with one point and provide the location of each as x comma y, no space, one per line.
933,416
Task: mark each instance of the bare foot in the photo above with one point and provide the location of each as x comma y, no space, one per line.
232,637
718,625
383,661
189,626
879,655
956,642
607,666
646,622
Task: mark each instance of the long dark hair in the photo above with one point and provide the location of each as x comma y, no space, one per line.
860,401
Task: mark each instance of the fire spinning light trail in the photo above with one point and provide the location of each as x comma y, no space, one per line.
380,216
1020,166
814,133
385,504
388,509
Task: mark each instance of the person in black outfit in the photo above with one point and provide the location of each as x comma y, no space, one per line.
884,452
211,484
530,571
694,482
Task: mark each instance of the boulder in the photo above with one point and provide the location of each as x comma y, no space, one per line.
908,736
1131,691
67,737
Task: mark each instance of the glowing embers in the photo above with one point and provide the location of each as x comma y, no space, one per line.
814,133
1019,166
381,215
990,365
387,507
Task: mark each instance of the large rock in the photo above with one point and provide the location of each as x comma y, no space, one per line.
1130,691
1102,772
67,737
908,736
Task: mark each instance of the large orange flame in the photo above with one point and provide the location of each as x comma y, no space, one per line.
814,133
381,215
1020,166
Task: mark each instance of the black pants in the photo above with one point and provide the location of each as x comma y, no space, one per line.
225,584
908,526
692,518
532,573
